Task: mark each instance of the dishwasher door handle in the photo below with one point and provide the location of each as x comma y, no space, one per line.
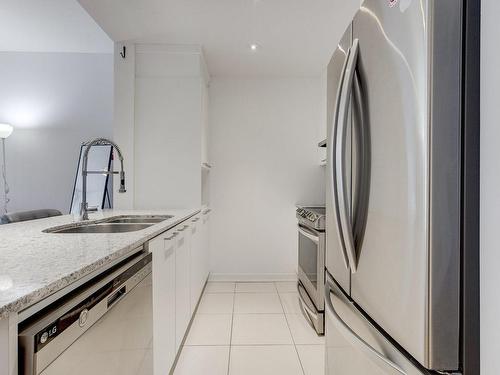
118,295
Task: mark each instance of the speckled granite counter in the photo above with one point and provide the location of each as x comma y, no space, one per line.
34,265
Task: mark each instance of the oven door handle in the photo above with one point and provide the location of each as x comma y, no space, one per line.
310,235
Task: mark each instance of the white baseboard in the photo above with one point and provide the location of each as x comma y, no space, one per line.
253,277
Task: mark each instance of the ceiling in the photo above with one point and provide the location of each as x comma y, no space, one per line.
50,26
294,37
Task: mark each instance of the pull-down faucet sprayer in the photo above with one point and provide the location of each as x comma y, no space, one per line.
84,209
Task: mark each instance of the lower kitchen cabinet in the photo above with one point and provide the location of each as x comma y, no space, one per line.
182,283
180,270
205,253
197,272
163,249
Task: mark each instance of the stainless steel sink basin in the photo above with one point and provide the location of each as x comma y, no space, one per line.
152,219
102,228
115,224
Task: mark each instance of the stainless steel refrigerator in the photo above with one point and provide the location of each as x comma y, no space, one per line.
395,191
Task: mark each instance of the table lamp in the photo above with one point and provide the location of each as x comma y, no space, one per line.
5,131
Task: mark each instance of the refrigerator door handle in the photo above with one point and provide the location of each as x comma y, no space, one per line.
363,165
340,156
330,144
389,367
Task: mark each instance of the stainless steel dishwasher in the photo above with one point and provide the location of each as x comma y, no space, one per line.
104,327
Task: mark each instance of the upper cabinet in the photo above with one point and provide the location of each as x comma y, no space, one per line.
161,107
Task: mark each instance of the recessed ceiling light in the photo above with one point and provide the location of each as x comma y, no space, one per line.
254,46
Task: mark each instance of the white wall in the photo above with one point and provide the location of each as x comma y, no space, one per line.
50,26
263,146
55,101
490,188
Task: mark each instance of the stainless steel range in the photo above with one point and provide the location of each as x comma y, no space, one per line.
311,270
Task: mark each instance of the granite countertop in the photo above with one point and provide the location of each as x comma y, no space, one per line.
34,264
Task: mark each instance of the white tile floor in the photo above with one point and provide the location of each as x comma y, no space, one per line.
251,329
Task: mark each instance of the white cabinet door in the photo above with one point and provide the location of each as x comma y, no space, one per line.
163,250
205,244
182,282
197,277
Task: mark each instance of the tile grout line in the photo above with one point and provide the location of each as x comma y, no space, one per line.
231,331
290,330
222,345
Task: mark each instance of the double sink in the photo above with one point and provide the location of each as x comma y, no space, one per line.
115,224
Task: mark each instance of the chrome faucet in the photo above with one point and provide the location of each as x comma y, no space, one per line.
84,208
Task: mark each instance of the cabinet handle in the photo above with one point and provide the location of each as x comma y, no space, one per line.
195,219
183,228
171,237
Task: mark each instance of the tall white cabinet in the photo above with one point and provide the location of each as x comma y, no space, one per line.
161,119
161,124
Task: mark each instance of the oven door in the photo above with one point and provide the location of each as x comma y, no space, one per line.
311,268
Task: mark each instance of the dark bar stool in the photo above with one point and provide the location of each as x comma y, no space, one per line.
15,217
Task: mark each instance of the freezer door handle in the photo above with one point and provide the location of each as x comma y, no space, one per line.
330,162
384,363
314,318
307,312
340,157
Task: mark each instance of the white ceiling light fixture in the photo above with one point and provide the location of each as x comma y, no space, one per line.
254,47
5,131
